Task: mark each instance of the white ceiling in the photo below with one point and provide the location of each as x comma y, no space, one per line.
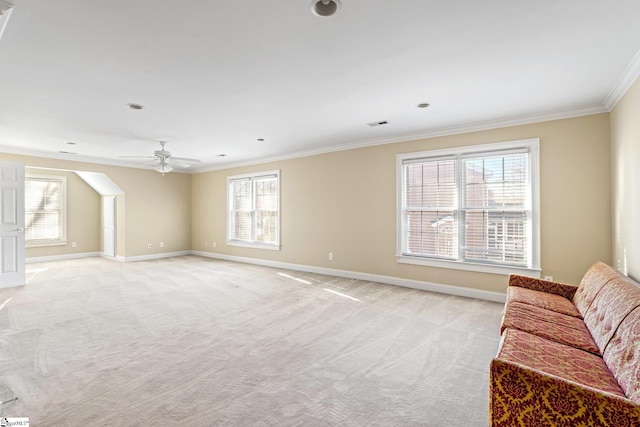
216,75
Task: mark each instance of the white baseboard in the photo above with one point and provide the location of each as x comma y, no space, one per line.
60,257
389,280
150,257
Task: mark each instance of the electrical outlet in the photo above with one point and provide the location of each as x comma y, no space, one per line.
206,244
162,244
74,244
215,244
549,278
148,245
330,256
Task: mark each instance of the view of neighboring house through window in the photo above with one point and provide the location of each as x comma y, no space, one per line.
253,202
471,205
45,210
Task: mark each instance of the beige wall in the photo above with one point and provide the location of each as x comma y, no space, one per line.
345,202
625,159
83,217
154,208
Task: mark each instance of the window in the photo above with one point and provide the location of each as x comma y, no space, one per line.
254,206
45,210
473,208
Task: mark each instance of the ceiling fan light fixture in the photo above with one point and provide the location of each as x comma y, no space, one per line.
163,168
325,8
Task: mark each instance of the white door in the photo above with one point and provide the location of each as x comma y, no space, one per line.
11,224
109,226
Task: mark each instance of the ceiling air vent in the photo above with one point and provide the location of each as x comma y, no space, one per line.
380,123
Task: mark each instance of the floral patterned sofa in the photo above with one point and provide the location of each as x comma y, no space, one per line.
569,355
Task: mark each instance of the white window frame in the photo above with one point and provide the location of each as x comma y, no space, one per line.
62,240
533,148
253,243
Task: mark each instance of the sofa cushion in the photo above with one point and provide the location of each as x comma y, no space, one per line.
520,396
543,300
592,282
548,324
557,359
622,355
557,288
611,305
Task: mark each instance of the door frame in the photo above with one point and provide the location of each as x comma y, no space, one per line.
109,208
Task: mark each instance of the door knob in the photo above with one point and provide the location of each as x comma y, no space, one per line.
20,230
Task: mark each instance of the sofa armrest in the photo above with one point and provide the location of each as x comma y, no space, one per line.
521,396
562,289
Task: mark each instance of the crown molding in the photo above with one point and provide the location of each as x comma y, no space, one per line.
454,130
445,131
9,149
624,82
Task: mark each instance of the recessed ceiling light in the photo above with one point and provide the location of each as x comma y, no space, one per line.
325,8
423,105
70,143
134,106
221,155
260,140
66,152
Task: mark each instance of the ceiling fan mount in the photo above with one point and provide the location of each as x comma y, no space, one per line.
162,153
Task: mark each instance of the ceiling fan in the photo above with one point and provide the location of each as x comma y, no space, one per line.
164,161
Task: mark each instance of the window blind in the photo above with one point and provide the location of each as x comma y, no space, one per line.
253,209
43,209
471,207
430,212
496,208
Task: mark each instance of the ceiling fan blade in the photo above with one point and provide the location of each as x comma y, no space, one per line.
137,157
151,162
185,159
178,162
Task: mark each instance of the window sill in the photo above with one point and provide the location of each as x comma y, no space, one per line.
267,246
44,243
469,266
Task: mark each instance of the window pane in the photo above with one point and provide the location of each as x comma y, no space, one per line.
253,209
431,184
266,194
499,237
496,181
266,226
43,209
432,233
241,195
240,227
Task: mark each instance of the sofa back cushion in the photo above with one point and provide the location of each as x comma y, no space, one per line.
612,304
622,355
592,282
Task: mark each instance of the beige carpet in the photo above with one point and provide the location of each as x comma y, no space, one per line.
192,341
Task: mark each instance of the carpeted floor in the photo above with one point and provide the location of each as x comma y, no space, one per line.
198,342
